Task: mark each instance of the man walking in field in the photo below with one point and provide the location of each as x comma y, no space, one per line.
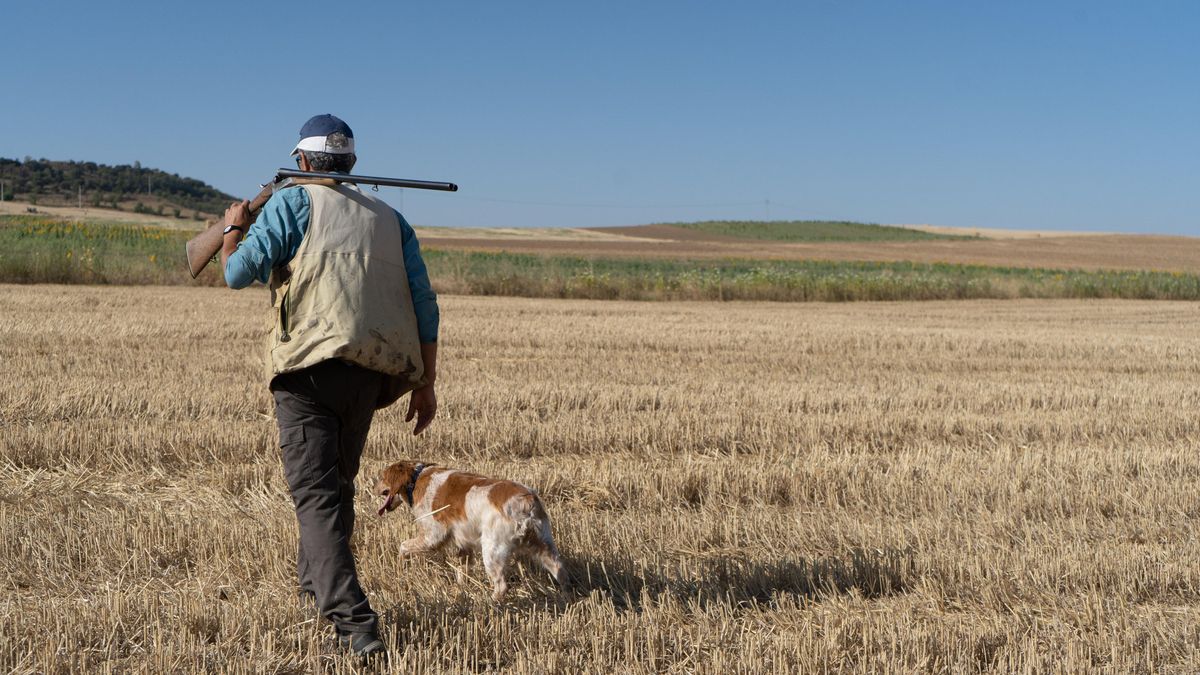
355,328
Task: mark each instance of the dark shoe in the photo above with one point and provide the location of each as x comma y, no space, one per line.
364,645
308,599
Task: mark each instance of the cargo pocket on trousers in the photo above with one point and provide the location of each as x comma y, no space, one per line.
297,460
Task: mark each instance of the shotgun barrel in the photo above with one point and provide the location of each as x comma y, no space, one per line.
201,248
368,180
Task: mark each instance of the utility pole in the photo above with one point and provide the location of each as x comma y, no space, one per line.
81,195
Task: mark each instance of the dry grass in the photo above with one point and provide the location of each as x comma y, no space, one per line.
1001,233
91,214
950,487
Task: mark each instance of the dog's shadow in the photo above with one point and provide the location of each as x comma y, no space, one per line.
717,579
725,579
705,580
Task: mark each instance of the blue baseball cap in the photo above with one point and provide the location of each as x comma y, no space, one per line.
314,136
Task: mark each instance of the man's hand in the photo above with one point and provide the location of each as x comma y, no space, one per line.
423,404
238,214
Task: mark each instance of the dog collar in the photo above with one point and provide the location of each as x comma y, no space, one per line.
412,484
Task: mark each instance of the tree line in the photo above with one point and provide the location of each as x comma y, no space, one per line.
31,179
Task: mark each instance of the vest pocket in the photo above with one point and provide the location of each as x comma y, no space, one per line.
284,336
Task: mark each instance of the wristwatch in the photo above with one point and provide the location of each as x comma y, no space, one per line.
231,228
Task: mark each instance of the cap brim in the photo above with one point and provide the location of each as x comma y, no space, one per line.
318,144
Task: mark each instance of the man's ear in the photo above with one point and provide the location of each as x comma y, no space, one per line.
303,161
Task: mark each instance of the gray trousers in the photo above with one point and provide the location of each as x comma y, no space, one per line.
324,413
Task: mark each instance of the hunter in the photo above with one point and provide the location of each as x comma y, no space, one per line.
355,328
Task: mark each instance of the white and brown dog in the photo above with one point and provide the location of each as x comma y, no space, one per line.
498,518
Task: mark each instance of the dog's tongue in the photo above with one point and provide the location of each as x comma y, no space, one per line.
386,503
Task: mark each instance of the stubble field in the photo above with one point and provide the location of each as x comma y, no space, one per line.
741,487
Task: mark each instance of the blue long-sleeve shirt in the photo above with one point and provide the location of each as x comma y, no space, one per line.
275,237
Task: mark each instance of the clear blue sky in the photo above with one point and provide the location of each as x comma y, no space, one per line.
1065,115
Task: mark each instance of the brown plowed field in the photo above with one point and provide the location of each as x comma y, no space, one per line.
1109,251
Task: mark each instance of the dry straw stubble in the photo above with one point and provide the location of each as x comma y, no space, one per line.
753,487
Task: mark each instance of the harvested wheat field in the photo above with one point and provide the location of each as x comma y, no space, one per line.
1005,486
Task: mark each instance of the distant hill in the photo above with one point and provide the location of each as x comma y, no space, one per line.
125,187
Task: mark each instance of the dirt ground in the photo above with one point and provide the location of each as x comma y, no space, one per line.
1093,252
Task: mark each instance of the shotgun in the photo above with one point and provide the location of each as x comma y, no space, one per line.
203,248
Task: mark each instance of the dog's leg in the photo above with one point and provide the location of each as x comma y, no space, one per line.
429,540
496,552
411,546
464,567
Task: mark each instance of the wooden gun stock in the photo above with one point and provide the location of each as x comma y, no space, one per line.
202,247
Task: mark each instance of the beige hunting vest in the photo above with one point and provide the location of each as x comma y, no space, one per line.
345,293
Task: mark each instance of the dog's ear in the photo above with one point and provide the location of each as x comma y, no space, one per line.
396,476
